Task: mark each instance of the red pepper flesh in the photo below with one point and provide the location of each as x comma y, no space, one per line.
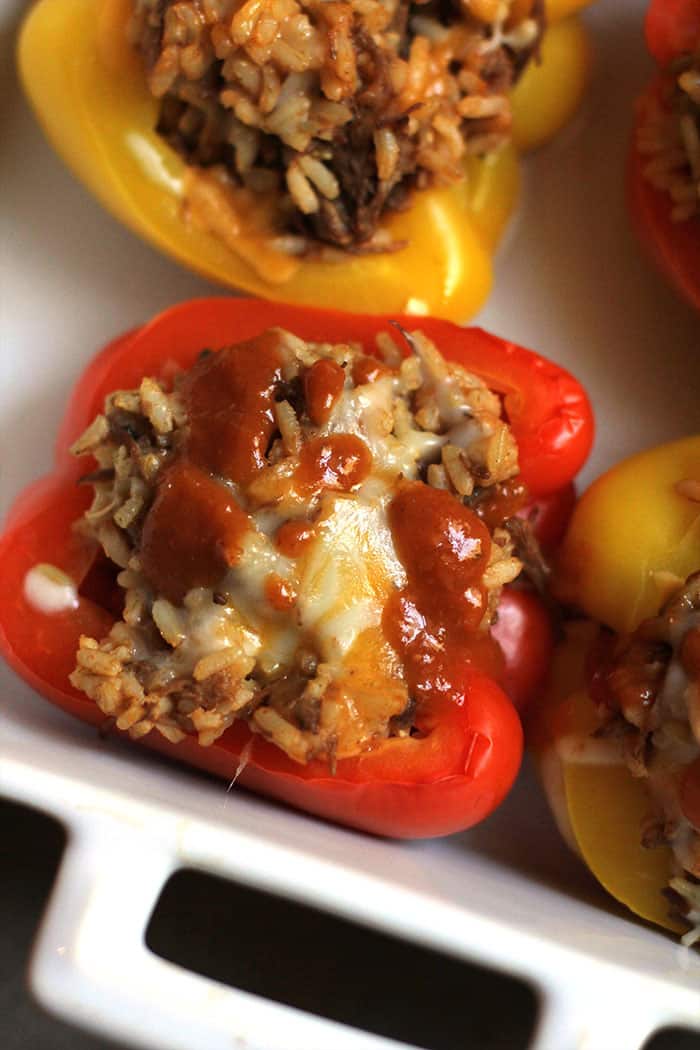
672,28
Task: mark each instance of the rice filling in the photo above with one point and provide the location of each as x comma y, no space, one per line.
333,112
258,509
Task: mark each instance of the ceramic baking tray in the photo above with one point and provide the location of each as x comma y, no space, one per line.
508,895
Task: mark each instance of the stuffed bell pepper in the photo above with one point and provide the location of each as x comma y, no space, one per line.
359,154
618,738
664,177
274,544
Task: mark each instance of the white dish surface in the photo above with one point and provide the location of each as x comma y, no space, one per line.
570,283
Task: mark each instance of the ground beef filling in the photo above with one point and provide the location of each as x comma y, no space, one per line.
649,682
281,517
669,137
337,111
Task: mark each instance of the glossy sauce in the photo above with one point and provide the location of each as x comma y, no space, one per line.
193,532
339,462
195,528
50,590
626,674
280,593
323,385
432,623
293,537
368,369
508,498
230,401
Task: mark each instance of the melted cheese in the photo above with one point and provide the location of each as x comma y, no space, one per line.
49,590
343,580
367,411
278,637
347,574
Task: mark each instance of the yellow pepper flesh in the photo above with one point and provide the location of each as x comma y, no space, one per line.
556,10
607,806
565,62
631,536
90,95
603,805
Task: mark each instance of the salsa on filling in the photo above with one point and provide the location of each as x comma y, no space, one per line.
329,114
307,538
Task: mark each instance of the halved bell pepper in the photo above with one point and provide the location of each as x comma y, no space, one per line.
89,93
632,537
465,759
672,29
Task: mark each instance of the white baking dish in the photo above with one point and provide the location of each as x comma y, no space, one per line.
507,894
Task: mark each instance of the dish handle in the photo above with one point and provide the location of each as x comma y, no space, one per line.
91,965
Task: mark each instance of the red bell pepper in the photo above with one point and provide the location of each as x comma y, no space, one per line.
468,752
672,29
525,634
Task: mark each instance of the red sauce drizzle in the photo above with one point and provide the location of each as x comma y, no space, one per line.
625,674
432,623
323,385
339,462
280,593
293,537
195,528
192,534
230,400
368,369
497,506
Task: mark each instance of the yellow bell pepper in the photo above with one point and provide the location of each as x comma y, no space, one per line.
632,538
631,535
547,95
557,10
88,90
